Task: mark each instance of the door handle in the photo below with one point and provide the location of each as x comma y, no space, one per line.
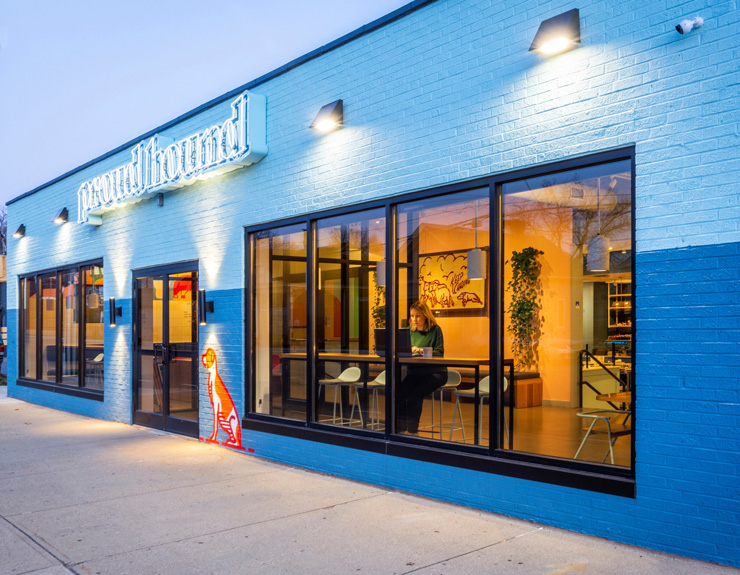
160,353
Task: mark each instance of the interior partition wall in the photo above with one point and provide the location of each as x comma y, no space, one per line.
534,376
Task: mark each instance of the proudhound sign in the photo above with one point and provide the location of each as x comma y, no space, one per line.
162,164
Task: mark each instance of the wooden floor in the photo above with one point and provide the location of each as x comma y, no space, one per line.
552,431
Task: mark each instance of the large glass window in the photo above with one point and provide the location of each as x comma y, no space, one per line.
567,247
350,320
280,322
443,303
30,312
540,267
49,347
94,327
63,333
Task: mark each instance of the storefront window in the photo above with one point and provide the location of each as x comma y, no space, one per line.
547,267
442,336
350,320
49,327
63,337
567,244
94,314
280,322
30,299
70,326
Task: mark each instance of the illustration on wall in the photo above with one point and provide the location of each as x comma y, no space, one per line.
225,415
444,285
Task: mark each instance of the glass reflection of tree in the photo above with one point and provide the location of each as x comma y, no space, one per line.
565,214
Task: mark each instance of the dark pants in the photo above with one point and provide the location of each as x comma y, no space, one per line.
410,398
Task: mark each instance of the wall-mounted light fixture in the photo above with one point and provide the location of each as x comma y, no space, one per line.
113,312
686,26
62,217
204,307
558,34
330,117
20,232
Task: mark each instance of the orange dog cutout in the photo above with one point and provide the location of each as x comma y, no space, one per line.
224,410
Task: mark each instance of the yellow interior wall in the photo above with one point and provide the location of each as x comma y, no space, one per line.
557,347
464,335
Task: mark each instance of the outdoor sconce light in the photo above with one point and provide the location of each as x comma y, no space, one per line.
686,26
380,273
203,307
20,232
558,34
113,312
62,217
329,118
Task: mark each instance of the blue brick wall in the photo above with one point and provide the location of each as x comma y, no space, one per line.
445,94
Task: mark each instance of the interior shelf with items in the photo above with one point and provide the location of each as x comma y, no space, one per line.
620,305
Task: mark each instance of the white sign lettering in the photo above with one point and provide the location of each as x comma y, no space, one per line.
162,164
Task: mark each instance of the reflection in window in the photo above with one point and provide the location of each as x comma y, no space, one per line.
574,227
437,239
280,322
350,316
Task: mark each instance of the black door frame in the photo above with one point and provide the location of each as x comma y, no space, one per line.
162,421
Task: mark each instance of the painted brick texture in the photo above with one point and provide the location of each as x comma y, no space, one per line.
450,93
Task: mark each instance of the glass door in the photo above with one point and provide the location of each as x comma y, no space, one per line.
166,354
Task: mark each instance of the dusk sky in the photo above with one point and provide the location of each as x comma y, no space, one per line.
81,77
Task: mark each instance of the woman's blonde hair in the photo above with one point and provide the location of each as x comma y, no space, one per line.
424,310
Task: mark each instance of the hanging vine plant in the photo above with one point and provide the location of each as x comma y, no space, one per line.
524,309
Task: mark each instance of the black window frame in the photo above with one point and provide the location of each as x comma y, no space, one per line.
585,475
57,386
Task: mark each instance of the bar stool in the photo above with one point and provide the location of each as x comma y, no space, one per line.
484,392
453,380
376,385
347,377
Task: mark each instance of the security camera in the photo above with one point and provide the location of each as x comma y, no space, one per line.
686,26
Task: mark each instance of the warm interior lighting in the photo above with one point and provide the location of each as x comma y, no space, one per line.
597,258
330,117
558,33
476,257
62,216
20,232
476,264
380,273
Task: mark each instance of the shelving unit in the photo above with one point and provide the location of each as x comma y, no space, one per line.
620,306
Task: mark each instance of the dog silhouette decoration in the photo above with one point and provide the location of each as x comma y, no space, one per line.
225,415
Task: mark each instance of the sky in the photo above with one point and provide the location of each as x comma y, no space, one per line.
79,78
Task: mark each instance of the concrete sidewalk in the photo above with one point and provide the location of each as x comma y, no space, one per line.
79,495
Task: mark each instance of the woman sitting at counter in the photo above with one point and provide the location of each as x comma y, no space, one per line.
420,380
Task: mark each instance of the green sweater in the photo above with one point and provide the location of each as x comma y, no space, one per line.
432,338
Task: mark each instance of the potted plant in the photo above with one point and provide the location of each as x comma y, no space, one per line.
524,310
